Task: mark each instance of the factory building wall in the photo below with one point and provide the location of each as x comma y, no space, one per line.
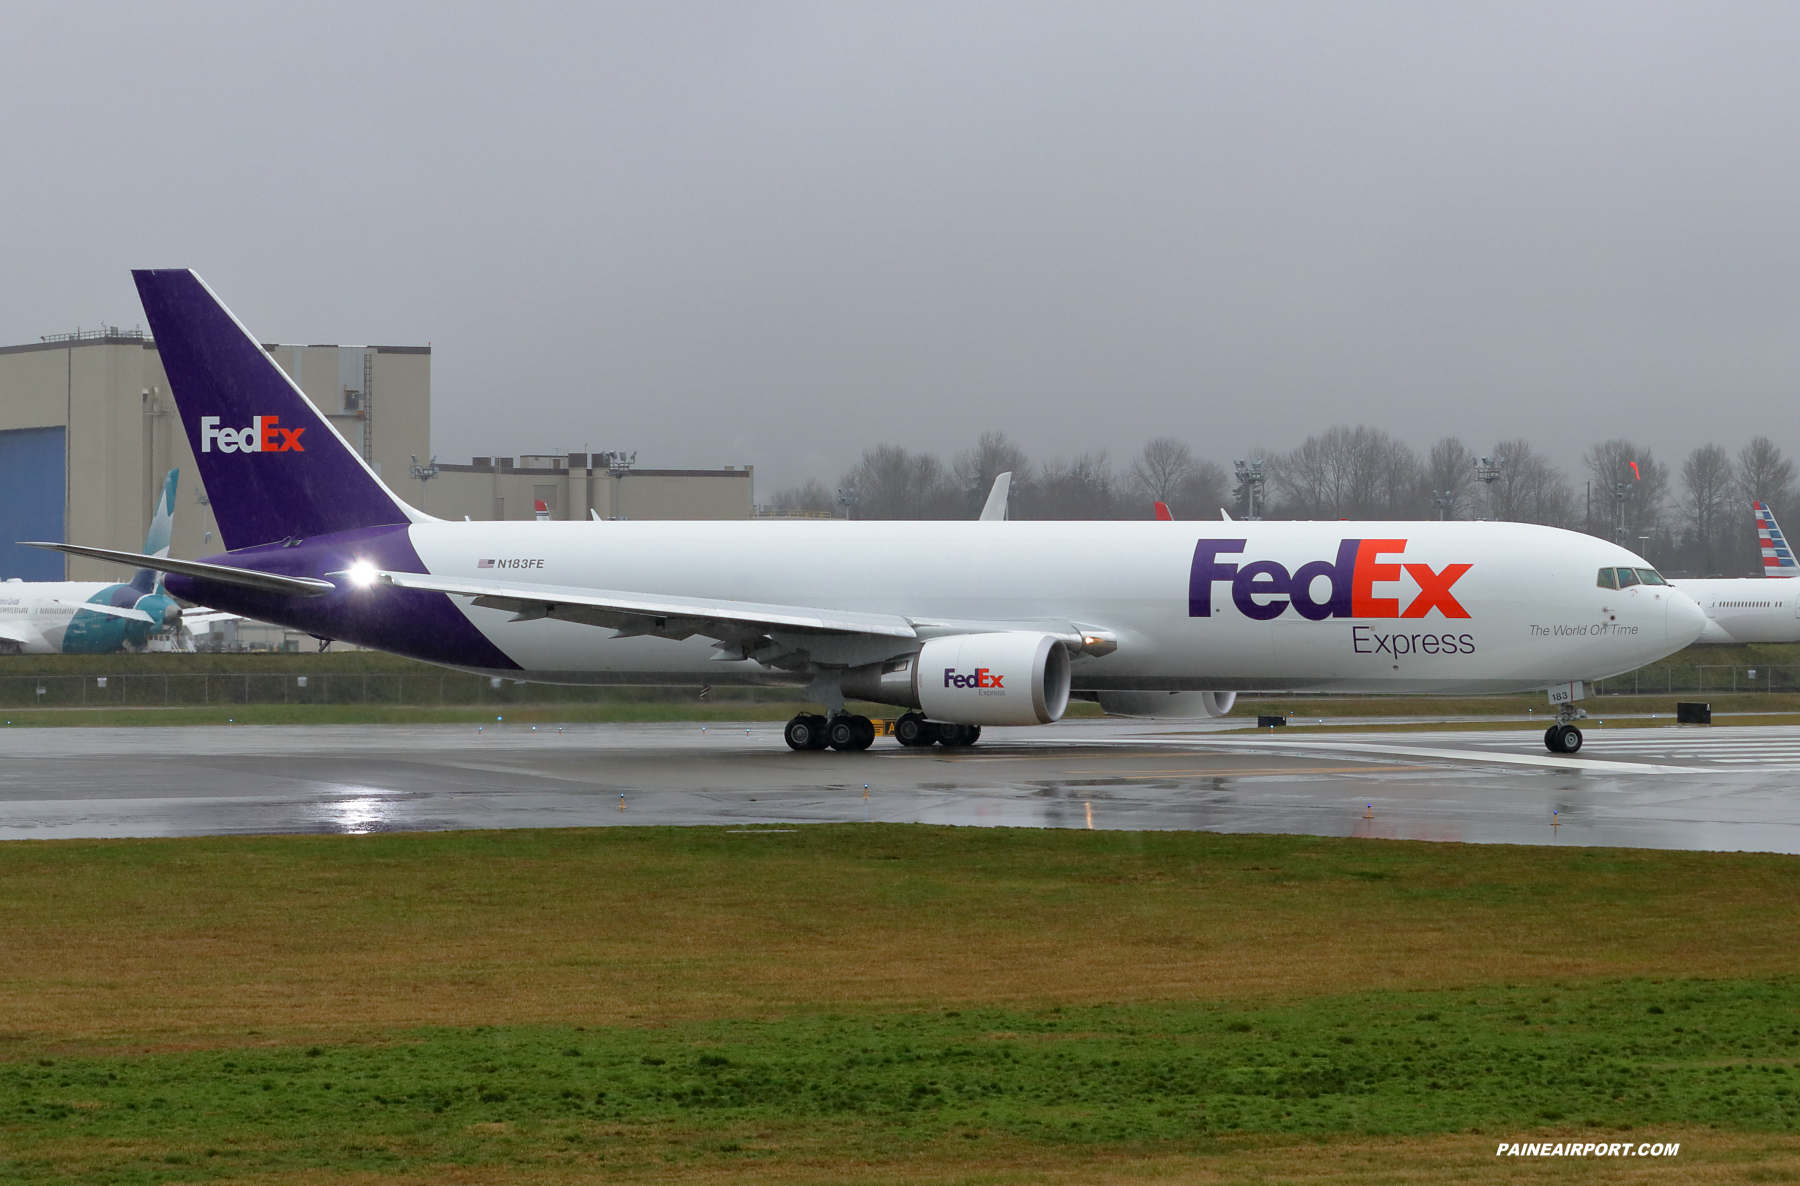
104,403
494,489
111,397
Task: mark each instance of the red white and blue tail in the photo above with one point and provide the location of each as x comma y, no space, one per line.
1777,557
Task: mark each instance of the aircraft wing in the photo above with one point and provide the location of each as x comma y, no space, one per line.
135,615
19,632
655,614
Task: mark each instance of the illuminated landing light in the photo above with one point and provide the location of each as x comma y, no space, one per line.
362,574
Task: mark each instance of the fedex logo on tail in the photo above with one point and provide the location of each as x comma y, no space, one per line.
265,435
1264,589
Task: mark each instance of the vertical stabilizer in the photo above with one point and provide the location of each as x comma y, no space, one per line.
1777,557
162,518
273,466
156,540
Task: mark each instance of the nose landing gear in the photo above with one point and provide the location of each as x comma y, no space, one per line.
1562,739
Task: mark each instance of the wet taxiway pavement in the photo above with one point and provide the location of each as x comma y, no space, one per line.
1659,787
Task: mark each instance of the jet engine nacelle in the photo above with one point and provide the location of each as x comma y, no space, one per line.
1006,678
1168,705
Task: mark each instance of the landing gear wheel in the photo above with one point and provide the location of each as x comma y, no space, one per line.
1563,739
958,735
848,732
914,729
806,731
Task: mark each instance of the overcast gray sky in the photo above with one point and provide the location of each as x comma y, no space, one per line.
776,233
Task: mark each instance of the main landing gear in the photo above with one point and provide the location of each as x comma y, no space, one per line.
914,730
845,731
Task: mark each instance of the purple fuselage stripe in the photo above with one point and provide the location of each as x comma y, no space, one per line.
409,622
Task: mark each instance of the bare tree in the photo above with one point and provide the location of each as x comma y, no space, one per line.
1708,489
1167,471
1529,489
975,469
1161,467
1629,488
1348,473
810,495
1083,488
1450,476
891,483
1764,475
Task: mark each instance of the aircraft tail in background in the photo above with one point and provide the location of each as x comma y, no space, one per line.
1777,557
156,540
271,462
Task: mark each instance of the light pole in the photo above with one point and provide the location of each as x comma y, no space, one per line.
617,462
1250,486
1623,493
1487,472
847,497
1444,501
424,473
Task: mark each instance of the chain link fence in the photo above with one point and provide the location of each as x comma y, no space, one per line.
1699,680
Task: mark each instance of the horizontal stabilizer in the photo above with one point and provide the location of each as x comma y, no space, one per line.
269,582
117,611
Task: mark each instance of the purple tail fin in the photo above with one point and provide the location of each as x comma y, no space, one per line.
273,466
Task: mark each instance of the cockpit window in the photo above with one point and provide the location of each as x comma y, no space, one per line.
1608,579
1628,577
1650,576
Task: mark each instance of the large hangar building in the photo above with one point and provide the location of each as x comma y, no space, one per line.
87,429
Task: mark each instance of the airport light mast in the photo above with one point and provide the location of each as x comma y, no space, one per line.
1487,472
1622,494
617,462
847,498
1444,501
1250,486
424,473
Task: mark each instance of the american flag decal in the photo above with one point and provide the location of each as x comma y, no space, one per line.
484,564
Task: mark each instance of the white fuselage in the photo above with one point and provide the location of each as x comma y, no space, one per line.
1526,613
1747,609
36,615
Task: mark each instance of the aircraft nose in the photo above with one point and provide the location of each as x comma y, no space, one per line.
1686,621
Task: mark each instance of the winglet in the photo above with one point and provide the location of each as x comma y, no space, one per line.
998,496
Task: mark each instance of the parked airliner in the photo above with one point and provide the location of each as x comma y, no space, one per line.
964,624
1752,609
93,617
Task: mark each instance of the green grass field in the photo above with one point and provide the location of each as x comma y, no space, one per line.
892,1003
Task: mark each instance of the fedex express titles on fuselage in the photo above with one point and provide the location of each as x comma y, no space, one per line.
1342,588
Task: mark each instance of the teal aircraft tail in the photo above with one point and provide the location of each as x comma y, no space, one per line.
156,540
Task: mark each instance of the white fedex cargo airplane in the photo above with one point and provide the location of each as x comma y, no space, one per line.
964,624
94,617
1752,609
